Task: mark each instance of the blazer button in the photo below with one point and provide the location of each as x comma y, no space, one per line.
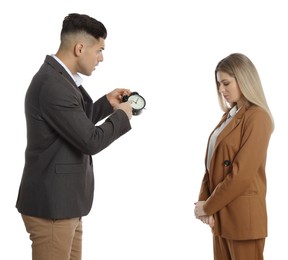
227,163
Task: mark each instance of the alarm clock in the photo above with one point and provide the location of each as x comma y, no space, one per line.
137,102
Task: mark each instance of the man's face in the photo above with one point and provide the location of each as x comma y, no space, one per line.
91,55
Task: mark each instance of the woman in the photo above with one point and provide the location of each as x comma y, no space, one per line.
233,190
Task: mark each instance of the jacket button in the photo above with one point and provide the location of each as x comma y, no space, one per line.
227,163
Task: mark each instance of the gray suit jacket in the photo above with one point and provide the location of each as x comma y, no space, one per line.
58,179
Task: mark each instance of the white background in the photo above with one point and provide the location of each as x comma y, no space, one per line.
148,180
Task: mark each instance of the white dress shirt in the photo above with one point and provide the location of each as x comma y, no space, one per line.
78,80
216,133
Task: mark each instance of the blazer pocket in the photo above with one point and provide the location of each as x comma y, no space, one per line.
69,168
249,193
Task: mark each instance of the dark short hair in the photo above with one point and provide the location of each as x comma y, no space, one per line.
74,23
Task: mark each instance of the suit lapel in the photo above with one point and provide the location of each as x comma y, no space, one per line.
226,131
60,69
87,101
230,126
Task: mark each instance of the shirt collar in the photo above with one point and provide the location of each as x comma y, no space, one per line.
232,112
77,78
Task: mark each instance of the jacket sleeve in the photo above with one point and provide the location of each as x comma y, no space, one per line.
101,109
248,162
62,108
204,190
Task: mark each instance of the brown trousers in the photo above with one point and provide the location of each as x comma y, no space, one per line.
55,239
225,249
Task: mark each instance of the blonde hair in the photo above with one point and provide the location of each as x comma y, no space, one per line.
243,70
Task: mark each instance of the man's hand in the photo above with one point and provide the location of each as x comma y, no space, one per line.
115,96
126,107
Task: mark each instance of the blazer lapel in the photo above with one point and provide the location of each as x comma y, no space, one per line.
60,69
88,102
230,126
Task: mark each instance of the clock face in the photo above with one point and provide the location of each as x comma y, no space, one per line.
137,102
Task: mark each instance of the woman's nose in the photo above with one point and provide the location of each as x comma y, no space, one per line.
220,88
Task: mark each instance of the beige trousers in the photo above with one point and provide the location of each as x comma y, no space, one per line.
55,239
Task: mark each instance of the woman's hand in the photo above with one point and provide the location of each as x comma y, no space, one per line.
201,214
199,209
209,220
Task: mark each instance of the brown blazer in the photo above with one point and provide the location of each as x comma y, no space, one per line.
235,188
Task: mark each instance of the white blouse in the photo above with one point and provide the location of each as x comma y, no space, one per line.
216,133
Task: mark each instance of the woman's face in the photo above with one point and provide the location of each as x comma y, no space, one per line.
228,87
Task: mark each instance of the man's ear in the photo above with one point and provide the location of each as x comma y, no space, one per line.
78,48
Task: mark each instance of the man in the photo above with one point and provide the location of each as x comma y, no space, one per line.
57,185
